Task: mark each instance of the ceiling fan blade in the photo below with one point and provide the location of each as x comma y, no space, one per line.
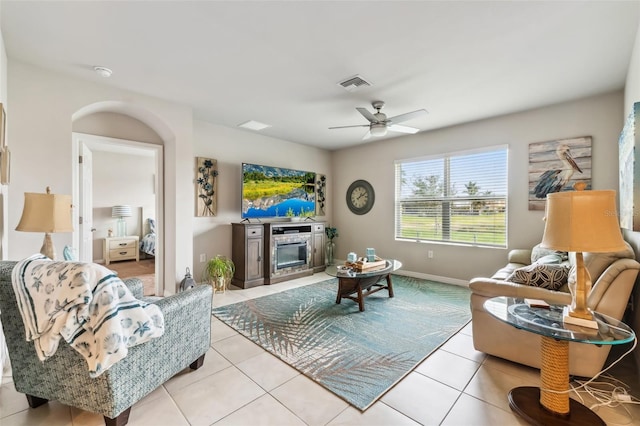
367,135
365,112
408,116
346,127
402,129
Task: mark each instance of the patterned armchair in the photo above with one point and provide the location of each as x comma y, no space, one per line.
64,377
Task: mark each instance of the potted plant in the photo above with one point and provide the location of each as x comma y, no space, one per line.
218,272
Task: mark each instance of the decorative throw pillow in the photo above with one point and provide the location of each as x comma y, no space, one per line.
549,276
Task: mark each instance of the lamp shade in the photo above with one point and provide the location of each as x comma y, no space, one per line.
46,213
582,221
121,211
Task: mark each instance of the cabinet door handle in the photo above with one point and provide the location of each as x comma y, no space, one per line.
122,244
123,252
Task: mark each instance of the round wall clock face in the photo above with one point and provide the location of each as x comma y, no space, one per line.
360,197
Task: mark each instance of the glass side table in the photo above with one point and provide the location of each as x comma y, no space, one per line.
550,404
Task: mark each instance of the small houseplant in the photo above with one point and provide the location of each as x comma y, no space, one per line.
218,272
331,246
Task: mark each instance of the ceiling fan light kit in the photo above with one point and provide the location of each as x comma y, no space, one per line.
379,124
378,129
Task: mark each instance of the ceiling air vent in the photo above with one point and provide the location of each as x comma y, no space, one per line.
354,83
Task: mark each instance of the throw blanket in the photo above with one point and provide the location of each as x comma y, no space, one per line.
85,304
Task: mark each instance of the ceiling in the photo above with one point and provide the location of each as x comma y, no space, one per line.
279,62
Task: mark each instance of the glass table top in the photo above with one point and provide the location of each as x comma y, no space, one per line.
342,271
548,322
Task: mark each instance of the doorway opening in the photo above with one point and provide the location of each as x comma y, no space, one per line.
112,172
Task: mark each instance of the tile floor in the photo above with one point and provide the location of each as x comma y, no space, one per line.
241,384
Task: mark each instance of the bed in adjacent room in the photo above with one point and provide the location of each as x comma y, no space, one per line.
148,240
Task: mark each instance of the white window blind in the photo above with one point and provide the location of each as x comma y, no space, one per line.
456,198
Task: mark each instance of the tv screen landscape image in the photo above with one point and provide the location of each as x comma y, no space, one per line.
269,192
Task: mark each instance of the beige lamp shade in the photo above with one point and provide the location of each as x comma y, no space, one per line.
582,221
46,213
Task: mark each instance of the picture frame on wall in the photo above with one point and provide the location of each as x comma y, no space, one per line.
629,176
556,166
206,186
3,125
5,166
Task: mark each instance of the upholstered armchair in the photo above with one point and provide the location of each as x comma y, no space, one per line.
64,377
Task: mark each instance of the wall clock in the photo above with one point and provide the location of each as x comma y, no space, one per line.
360,197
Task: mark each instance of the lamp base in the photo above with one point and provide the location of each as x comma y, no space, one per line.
568,319
48,249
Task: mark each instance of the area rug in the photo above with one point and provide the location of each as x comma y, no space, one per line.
356,355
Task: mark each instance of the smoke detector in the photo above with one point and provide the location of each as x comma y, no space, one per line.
103,71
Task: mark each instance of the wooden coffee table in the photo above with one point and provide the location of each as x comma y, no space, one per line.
358,285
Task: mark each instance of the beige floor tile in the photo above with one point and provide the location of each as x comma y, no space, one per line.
50,414
237,348
379,414
509,367
265,410
11,401
422,399
267,370
161,410
469,411
213,362
450,369
467,330
309,401
216,396
86,418
229,297
220,330
493,385
462,344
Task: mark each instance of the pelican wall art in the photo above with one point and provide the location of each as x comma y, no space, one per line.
555,166
628,153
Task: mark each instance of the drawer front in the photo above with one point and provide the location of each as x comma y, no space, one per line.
122,244
124,253
254,231
318,227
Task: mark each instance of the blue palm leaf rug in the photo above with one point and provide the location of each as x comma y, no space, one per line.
356,355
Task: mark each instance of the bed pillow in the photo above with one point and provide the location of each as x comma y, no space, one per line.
152,225
545,275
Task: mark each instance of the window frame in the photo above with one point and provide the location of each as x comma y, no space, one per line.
446,200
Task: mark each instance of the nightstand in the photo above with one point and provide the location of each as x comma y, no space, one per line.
121,248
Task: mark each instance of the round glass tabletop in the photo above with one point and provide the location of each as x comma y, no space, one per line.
548,322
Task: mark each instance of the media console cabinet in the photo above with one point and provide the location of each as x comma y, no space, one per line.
268,253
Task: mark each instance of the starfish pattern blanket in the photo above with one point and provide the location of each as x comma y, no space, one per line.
87,305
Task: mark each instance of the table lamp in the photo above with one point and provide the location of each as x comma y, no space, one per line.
46,213
121,212
582,221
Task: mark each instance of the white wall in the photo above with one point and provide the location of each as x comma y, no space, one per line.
598,117
43,106
4,190
232,147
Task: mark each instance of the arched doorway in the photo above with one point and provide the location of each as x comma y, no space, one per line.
111,126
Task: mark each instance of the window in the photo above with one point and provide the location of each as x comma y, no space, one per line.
454,198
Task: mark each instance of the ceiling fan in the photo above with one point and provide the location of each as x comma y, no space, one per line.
379,124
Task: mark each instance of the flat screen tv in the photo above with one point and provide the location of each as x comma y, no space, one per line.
270,192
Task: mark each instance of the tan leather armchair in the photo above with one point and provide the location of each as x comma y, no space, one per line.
613,276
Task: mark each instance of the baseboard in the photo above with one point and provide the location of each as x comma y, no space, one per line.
446,280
